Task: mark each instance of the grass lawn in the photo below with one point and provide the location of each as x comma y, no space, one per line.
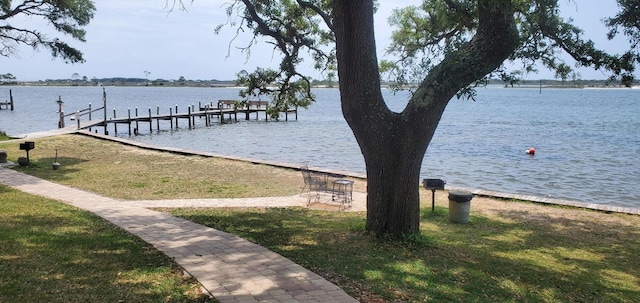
123,172
3,136
489,260
510,251
52,252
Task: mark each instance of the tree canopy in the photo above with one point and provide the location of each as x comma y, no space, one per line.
627,21
428,33
67,17
443,48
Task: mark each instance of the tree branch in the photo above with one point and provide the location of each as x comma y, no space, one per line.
326,17
495,39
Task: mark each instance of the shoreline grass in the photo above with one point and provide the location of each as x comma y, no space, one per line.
128,173
510,252
3,136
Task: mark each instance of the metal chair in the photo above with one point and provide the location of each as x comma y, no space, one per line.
313,182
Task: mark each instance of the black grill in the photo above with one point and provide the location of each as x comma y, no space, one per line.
433,184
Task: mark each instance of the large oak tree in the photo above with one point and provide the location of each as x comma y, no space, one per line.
443,47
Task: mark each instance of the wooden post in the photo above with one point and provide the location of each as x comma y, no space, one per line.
540,86
11,99
137,126
158,119
235,113
89,114
150,121
115,125
104,109
207,122
177,116
193,118
61,112
171,117
129,113
189,117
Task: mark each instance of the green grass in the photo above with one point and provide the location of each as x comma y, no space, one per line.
123,172
488,260
510,252
51,252
3,136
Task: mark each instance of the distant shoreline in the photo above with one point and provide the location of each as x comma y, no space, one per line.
140,82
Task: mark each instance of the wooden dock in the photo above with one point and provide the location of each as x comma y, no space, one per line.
7,104
224,111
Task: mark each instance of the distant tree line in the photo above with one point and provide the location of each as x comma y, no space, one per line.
77,80
7,79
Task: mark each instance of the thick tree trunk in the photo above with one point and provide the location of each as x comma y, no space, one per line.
393,172
394,144
392,147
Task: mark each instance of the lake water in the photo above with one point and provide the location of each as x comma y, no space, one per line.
587,140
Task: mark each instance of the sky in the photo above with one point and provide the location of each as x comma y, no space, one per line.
128,37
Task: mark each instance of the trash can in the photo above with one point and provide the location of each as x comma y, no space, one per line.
459,206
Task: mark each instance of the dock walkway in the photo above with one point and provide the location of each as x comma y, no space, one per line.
8,104
224,110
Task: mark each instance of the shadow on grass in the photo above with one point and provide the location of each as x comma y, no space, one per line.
486,260
546,258
584,258
43,168
55,253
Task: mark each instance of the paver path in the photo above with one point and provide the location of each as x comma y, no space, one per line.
230,268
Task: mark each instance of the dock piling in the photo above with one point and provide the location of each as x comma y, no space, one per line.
176,115
226,109
158,120
115,125
137,126
171,117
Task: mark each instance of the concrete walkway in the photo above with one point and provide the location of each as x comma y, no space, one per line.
230,268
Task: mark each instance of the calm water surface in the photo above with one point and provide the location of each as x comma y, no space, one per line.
587,140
